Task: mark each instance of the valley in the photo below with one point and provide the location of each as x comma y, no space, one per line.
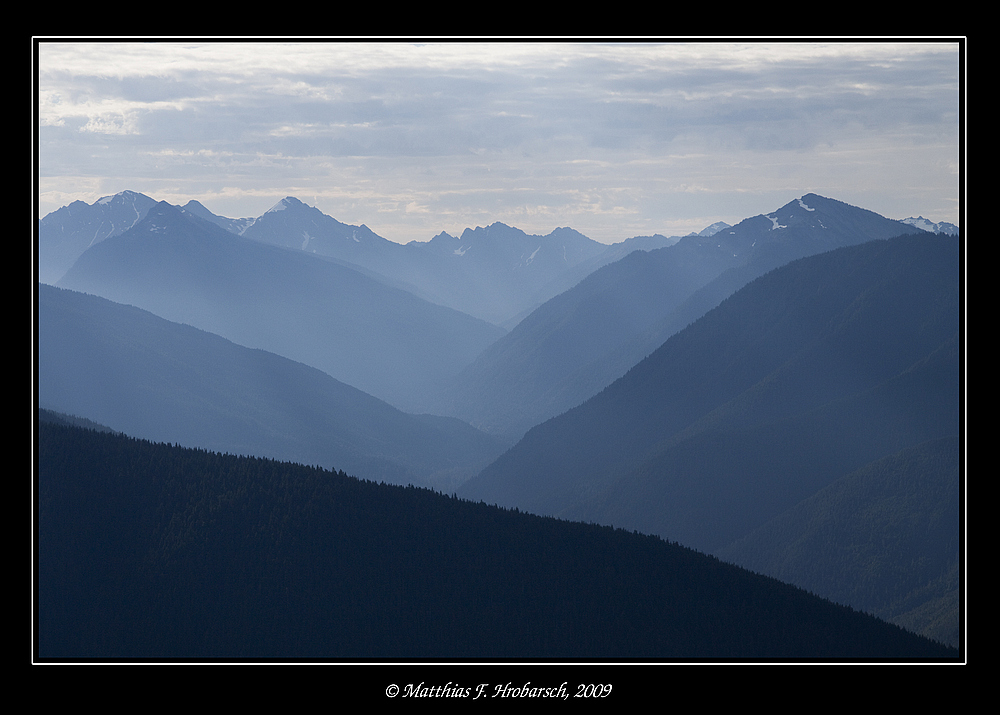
785,394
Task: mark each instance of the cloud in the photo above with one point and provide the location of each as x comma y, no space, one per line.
637,125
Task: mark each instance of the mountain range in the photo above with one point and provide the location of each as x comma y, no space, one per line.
489,272
577,343
137,373
503,273
65,234
807,374
496,273
157,551
380,339
730,390
923,224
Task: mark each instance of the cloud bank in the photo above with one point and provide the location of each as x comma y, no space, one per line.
615,140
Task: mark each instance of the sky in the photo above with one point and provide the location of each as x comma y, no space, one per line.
613,139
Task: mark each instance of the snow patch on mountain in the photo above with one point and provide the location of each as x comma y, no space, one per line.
926,225
802,204
713,229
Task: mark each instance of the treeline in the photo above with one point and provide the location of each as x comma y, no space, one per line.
156,551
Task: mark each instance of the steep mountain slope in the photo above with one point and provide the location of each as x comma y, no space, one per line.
582,340
499,271
492,273
569,278
381,340
292,224
925,225
233,225
809,372
883,539
156,551
65,234
140,374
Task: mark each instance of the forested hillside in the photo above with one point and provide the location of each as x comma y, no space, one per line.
884,539
151,550
814,371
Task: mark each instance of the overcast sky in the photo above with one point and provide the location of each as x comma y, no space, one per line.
614,140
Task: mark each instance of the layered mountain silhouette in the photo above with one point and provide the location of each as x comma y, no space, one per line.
493,273
65,234
577,343
782,393
233,225
147,377
883,539
932,227
808,373
157,551
382,340
292,224
497,273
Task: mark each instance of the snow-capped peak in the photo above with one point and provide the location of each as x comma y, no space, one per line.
926,225
121,194
713,229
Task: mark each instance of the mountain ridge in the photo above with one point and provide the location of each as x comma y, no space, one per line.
64,234
812,371
829,378
583,339
154,379
382,340
177,553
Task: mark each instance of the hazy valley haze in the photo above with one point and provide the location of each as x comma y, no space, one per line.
474,350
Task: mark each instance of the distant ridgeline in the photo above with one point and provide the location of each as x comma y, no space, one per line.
783,393
151,550
806,427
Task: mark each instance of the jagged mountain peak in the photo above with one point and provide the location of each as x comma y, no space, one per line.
711,230
166,218
485,231
804,205
293,209
164,208
928,225
285,203
66,233
817,213
196,207
125,195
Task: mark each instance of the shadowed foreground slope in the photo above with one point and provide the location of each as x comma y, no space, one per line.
159,551
814,371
